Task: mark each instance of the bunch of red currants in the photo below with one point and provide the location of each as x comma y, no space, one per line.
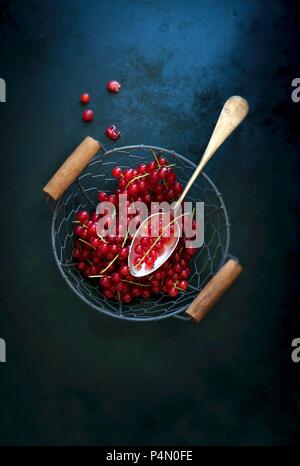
104,257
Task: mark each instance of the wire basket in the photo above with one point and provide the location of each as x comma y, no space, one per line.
82,194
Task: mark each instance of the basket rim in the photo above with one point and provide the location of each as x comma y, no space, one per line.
121,316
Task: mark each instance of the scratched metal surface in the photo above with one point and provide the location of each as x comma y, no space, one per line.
76,377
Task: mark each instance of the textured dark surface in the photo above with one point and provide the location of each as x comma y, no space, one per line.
74,376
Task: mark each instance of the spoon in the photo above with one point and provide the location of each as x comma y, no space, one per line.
233,112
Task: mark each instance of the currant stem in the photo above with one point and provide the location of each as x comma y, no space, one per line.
156,159
102,239
122,280
125,239
134,283
85,242
111,262
136,178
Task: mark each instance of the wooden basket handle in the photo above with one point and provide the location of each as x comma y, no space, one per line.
72,167
214,290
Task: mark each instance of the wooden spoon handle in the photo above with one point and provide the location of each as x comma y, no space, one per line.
214,290
233,112
72,168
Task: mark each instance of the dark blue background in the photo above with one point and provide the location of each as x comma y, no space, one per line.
74,376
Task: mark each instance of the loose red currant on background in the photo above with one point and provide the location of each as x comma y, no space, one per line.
113,86
85,98
87,115
113,133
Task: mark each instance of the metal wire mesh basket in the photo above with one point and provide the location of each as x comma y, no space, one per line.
82,194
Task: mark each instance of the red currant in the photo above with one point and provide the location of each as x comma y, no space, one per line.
142,169
88,115
112,132
94,255
82,216
84,98
117,172
127,298
105,282
113,86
